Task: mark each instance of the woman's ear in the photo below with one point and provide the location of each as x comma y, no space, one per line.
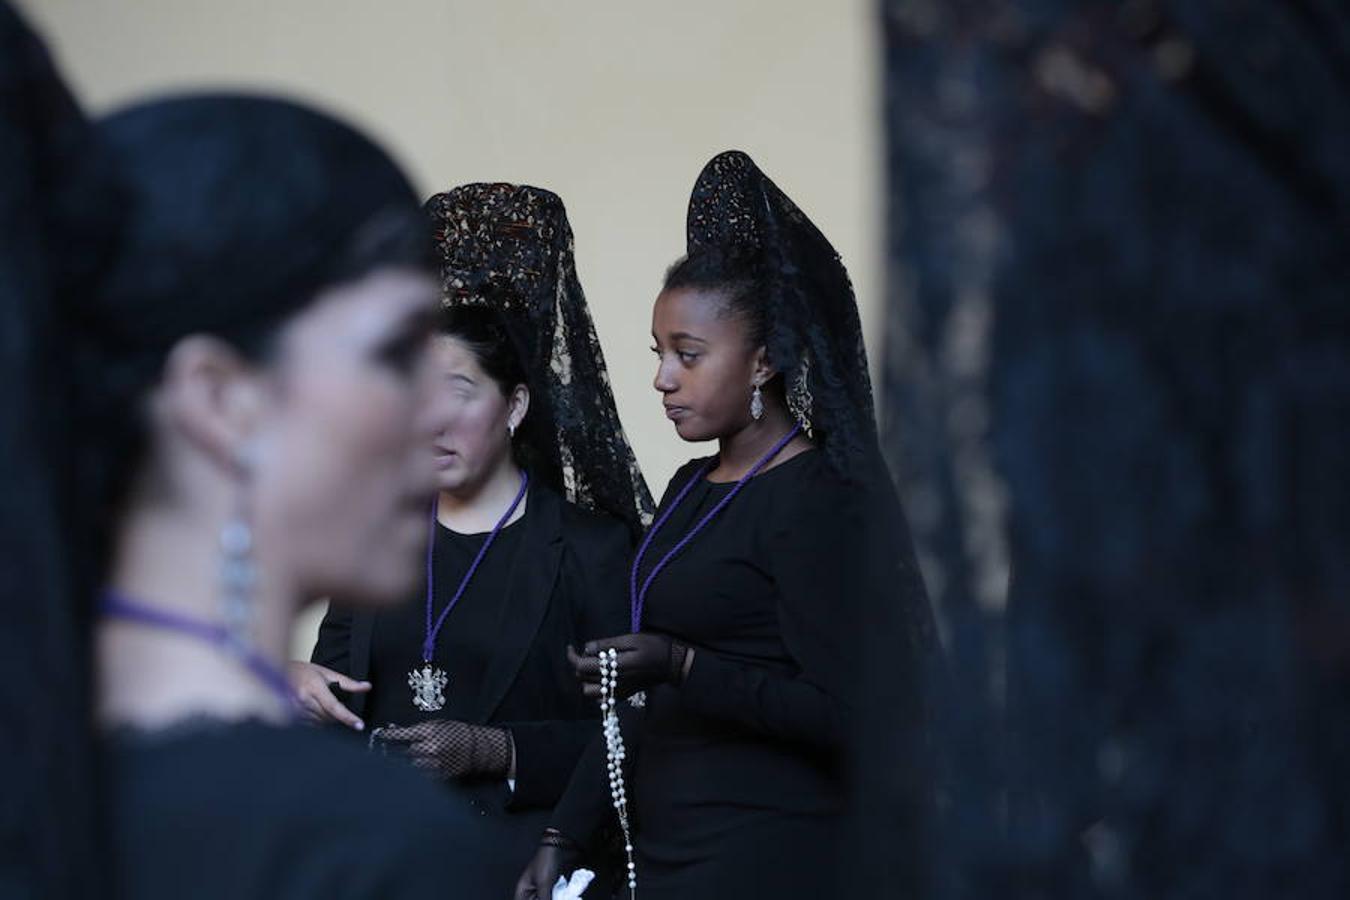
763,371
211,396
518,404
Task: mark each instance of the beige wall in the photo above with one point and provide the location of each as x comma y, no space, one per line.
613,104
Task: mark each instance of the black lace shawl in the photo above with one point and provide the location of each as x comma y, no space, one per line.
510,247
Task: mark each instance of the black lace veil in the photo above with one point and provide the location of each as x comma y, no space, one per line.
510,248
815,340
815,337
59,223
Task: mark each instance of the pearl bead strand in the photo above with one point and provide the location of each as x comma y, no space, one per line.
614,751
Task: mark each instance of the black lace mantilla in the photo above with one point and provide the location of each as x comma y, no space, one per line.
815,337
510,247
815,340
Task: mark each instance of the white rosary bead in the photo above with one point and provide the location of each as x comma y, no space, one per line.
615,751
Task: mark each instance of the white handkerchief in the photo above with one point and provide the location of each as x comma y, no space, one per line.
573,887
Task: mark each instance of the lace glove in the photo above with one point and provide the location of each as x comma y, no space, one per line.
645,660
452,749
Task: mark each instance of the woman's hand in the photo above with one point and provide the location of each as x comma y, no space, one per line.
556,854
451,749
644,660
313,683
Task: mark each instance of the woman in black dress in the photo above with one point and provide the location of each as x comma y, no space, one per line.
521,395
750,593
250,377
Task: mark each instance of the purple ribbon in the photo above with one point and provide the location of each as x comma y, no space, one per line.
637,598
119,606
429,643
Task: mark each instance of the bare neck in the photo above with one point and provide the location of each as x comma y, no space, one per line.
737,453
477,508
148,676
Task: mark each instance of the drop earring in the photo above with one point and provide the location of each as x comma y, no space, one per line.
238,572
756,404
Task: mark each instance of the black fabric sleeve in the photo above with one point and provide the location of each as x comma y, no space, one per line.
586,807
816,555
334,645
546,755
595,579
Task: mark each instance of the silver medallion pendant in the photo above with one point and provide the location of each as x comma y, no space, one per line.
428,687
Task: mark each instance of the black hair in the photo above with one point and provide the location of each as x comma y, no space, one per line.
738,276
481,330
484,332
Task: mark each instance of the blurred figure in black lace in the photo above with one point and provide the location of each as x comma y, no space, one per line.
58,219
1121,362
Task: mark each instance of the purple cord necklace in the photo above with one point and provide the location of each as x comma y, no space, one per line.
427,681
637,598
119,606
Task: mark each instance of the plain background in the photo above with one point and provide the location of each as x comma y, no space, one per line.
614,105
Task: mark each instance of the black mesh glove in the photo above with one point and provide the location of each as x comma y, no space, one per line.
644,660
452,749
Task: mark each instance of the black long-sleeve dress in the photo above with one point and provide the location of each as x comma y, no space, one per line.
738,783
554,578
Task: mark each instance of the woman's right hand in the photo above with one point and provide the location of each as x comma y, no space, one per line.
311,681
539,877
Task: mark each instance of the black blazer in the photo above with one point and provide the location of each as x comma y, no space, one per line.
570,586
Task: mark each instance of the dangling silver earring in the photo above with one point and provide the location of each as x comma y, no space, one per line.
238,573
756,404
511,430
